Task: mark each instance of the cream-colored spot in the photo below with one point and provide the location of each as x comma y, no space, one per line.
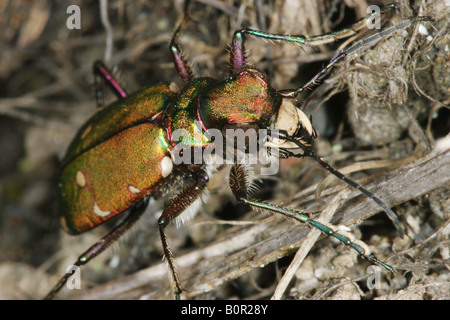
174,87
134,189
100,212
166,166
80,178
86,132
63,223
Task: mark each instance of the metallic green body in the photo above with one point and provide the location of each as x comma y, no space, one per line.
183,113
126,152
112,176
117,157
120,148
245,98
138,107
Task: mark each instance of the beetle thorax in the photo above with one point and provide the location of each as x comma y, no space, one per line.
244,99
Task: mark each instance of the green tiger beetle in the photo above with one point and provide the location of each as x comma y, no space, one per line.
127,152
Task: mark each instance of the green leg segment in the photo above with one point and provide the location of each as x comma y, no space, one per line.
238,59
304,218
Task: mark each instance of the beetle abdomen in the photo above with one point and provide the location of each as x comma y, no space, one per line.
136,108
113,176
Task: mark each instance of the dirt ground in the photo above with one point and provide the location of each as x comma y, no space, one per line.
381,115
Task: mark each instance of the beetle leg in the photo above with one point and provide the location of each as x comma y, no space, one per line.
104,243
238,185
237,59
184,70
308,152
178,205
101,74
292,93
237,53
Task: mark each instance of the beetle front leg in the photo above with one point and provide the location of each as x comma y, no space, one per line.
177,206
183,69
308,152
238,59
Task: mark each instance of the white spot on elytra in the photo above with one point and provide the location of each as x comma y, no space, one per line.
86,132
134,189
63,222
174,87
100,212
80,178
166,166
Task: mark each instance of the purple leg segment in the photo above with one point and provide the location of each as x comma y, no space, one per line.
103,74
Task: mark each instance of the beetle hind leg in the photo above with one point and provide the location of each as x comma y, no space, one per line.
102,74
102,245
